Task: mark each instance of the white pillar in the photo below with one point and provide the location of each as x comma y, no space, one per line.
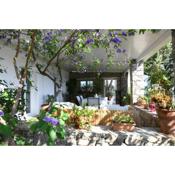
137,80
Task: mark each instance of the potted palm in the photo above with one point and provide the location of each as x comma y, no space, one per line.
123,122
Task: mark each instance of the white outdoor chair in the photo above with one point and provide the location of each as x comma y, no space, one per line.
112,101
79,100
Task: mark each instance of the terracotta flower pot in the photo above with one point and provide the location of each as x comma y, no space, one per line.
166,120
123,126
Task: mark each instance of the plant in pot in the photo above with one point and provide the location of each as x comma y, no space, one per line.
123,122
126,100
142,102
109,95
82,118
165,110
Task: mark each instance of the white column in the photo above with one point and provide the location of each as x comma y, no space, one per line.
137,80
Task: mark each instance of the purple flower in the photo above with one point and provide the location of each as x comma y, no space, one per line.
116,40
88,41
47,39
119,50
97,34
115,33
110,34
124,34
124,50
131,33
1,113
51,120
49,33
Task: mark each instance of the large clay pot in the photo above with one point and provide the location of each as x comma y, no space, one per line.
123,127
166,120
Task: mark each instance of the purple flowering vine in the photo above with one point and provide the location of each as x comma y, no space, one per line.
119,50
1,113
48,37
116,40
51,120
124,50
124,33
88,41
110,34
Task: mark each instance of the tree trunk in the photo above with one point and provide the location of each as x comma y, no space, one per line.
17,98
55,91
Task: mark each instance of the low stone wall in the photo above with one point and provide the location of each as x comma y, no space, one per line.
144,118
104,136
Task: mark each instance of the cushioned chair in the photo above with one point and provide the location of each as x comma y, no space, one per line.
112,101
79,100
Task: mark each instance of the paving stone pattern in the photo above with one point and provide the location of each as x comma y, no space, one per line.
104,136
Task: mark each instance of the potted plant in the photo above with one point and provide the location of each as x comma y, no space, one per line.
142,102
152,106
109,95
166,111
126,100
82,118
123,122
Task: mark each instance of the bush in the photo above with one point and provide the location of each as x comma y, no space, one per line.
124,118
82,117
51,125
7,98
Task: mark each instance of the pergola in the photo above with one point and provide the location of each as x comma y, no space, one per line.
128,66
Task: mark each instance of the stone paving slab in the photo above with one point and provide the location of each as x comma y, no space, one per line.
104,136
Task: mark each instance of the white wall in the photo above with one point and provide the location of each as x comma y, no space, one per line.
43,84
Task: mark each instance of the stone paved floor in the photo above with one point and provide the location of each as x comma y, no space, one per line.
104,136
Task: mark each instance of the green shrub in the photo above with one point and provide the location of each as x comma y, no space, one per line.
124,118
52,126
82,117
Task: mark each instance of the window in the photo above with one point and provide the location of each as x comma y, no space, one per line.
86,85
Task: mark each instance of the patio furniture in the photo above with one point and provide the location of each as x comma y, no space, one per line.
82,101
93,101
111,101
97,101
114,107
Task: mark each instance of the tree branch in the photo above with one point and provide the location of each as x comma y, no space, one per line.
47,75
59,71
59,50
29,54
16,56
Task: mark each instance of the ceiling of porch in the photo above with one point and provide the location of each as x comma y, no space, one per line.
139,46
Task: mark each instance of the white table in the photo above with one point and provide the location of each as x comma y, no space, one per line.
97,101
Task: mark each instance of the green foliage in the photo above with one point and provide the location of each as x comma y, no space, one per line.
82,117
5,131
7,97
53,132
8,131
124,118
50,99
126,100
159,68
